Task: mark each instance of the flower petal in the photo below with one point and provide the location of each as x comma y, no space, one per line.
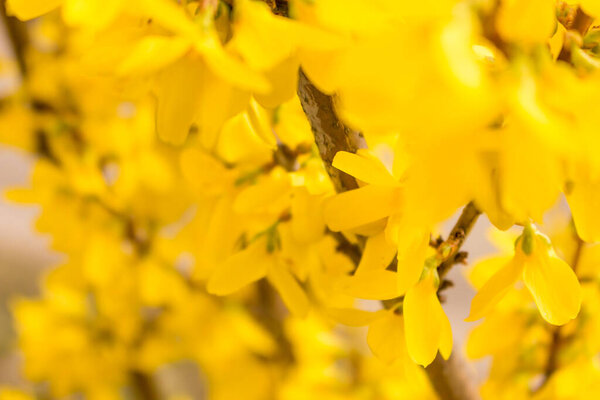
240,269
495,289
386,337
378,254
423,325
289,289
353,316
364,167
372,285
360,206
555,289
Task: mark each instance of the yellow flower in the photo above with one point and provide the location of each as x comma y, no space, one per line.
426,325
550,280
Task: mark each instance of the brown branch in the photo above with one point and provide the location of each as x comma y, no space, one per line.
449,377
266,310
331,135
17,34
144,386
456,239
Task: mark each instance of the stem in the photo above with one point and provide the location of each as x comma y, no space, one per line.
331,135
457,237
144,386
17,34
449,377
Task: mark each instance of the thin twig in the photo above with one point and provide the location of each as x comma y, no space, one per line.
456,239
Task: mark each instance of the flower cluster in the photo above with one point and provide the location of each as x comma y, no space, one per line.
181,167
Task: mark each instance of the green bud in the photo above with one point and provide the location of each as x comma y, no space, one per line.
527,239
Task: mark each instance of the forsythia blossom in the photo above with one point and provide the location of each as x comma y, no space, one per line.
238,185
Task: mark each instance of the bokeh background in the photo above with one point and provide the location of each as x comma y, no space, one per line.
25,255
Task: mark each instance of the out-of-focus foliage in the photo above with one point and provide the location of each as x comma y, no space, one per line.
177,172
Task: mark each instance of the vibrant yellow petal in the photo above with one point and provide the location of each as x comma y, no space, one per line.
364,167
94,14
483,270
273,192
386,337
289,289
554,287
584,199
307,219
178,91
241,269
495,289
230,69
446,339
265,39
377,255
423,322
28,9
153,53
412,251
372,285
283,79
353,316
591,7
166,13
484,339
526,21
360,206
238,142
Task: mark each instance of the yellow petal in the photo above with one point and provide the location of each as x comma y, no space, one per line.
360,206
412,251
377,255
269,193
554,287
178,90
307,219
241,269
423,322
166,13
486,268
386,337
495,289
583,200
364,167
446,334
91,13
28,9
372,285
289,289
353,316
526,21
283,79
484,339
230,69
153,53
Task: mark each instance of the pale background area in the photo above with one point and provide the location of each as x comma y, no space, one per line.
25,255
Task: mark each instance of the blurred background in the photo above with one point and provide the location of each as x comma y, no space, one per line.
25,255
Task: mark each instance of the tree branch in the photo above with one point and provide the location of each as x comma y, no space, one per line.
331,135
457,237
